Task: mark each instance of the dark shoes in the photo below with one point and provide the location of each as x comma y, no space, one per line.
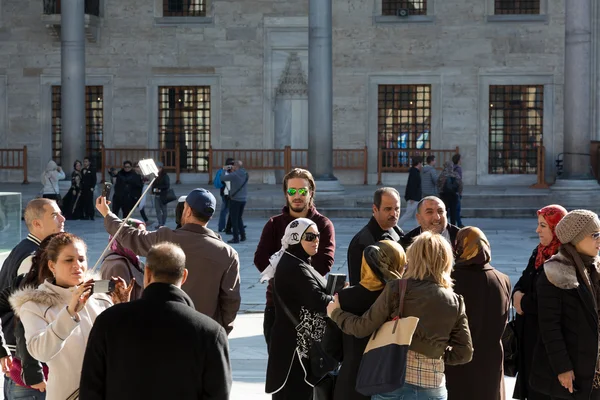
243,239
232,241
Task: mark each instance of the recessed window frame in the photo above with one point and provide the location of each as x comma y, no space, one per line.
380,18
161,19
493,17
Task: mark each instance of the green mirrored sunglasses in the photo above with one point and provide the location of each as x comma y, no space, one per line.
293,191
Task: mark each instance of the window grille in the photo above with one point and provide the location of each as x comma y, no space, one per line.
404,115
184,8
516,7
94,125
92,7
184,118
516,121
414,7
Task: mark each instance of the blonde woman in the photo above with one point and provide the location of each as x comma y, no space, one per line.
442,335
50,178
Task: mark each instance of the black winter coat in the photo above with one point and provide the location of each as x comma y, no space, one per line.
368,235
527,327
128,187
297,286
89,178
413,186
357,300
410,236
568,321
158,347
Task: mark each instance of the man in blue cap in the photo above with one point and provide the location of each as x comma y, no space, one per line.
213,282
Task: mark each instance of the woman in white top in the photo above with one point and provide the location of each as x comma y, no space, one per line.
50,178
59,314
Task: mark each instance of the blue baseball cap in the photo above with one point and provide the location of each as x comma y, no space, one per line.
202,201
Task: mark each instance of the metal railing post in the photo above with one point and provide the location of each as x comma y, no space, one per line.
25,181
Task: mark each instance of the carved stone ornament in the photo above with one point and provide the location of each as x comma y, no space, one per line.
293,82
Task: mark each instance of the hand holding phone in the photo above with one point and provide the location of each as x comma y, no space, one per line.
106,189
104,286
335,283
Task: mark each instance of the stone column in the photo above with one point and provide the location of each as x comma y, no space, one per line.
72,81
577,97
291,109
320,95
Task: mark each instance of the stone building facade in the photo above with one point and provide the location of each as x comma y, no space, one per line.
250,57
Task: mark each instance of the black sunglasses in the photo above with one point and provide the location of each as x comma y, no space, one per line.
310,237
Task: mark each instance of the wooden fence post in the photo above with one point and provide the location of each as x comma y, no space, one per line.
177,164
25,181
210,164
287,159
541,166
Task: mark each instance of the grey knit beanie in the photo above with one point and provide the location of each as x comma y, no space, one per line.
576,225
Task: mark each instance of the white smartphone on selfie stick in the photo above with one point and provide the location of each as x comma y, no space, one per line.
150,171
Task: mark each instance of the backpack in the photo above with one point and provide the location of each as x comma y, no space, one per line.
217,181
450,186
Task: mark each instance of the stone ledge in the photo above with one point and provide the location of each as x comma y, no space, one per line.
174,21
390,19
518,18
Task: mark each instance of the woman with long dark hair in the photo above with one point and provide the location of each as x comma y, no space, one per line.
72,206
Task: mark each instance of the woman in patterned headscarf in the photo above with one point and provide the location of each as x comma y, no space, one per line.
487,298
382,262
525,298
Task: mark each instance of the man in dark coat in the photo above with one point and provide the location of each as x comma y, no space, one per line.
127,190
382,225
159,338
43,218
299,188
413,192
88,184
431,216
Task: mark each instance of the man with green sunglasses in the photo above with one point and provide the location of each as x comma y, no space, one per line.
299,190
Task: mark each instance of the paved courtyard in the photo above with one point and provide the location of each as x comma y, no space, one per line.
512,242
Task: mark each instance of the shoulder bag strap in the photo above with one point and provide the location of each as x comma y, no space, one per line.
285,309
241,187
402,284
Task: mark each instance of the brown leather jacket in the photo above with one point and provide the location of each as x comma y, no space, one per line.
442,331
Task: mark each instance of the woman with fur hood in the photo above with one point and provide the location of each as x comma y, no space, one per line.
566,362
59,314
50,178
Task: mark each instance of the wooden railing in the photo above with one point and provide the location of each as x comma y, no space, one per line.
398,160
15,159
114,158
285,159
541,166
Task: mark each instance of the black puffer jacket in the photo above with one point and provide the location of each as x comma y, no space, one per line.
568,319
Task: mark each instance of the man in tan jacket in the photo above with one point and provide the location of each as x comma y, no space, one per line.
213,283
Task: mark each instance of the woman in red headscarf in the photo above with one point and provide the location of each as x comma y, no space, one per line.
525,298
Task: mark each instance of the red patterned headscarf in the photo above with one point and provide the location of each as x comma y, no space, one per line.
552,214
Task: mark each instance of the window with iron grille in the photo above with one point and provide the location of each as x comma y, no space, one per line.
91,7
404,115
516,7
184,118
184,8
515,128
414,7
94,125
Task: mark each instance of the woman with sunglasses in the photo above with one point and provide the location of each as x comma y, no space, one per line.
300,299
566,362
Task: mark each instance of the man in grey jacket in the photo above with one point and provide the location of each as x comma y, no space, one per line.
237,199
213,281
429,177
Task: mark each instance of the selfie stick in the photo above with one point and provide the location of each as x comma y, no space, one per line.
148,168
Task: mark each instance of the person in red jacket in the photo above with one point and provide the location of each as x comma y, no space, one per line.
299,189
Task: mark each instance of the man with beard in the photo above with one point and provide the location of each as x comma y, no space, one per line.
431,216
299,189
382,225
88,184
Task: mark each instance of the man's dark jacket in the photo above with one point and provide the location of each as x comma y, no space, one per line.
413,186
368,235
8,274
270,243
410,236
158,347
89,179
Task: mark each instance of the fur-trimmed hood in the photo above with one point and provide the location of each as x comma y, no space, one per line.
47,294
561,271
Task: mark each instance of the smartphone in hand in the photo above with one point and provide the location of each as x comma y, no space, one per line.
106,189
335,283
103,286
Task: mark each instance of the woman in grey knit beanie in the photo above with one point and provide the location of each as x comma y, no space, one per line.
567,360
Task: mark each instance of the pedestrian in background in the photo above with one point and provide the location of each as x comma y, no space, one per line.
456,160
450,187
49,179
127,189
413,193
429,177
237,199
224,188
88,184
486,292
525,299
160,187
72,205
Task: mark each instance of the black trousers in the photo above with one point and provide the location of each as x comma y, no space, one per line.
236,210
87,201
268,324
119,204
451,202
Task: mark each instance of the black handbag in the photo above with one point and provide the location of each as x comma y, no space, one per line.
168,196
325,389
511,348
